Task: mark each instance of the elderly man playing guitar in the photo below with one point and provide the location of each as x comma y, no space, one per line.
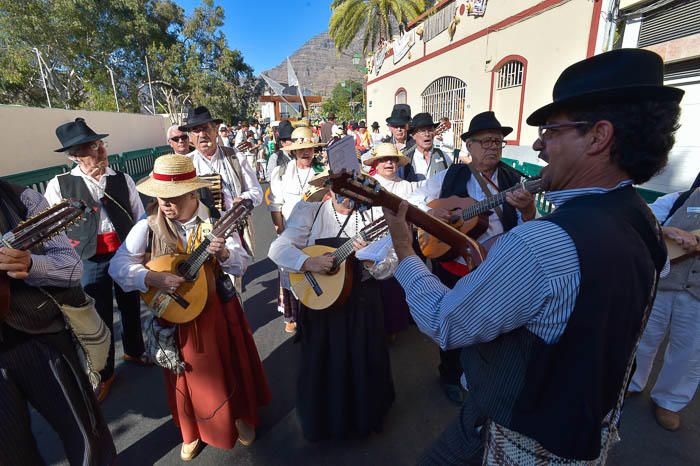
482,179
213,375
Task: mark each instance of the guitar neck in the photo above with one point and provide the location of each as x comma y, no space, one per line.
487,204
345,250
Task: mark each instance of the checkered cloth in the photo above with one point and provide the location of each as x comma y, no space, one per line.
161,346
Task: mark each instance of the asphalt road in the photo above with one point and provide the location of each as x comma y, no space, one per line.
139,419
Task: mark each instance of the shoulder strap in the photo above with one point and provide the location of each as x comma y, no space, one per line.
487,192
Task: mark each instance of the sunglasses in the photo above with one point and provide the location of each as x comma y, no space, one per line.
184,137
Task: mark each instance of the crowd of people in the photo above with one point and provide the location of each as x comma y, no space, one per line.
536,353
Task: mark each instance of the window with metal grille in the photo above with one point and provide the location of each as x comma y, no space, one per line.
445,97
400,96
672,21
510,75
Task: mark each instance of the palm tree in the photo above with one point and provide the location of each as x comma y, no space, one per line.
377,17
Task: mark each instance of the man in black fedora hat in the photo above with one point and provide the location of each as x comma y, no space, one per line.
238,178
550,320
280,156
485,177
398,123
112,196
426,159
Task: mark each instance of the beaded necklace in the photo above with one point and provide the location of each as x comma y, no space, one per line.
342,225
301,185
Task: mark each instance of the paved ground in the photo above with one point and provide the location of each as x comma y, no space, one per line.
140,421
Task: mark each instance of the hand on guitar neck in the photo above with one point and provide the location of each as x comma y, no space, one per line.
687,240
15,262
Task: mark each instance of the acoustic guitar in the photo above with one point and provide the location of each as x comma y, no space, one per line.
367,191
676,252
188,300
320,291
36,230
473,219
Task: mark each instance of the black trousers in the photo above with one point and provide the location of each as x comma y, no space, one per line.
98,284
44,371
450,366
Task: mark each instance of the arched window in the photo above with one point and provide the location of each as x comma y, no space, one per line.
508,81
400,96
445,97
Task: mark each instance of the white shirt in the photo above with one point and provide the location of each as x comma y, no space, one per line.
128,270
301,231
401,188
448,143
97,191
421,166
232,185
376,138
287,190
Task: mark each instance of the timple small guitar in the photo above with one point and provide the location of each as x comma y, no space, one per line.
321,291
188,301
35,230
473,219
366,190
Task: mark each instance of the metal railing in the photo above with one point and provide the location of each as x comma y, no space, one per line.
136,163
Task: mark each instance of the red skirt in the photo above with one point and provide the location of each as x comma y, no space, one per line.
224,378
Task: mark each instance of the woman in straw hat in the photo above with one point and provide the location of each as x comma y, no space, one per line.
287,186
384,162
344,386
214,379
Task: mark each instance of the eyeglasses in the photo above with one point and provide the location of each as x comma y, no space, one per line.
223,131
184,137
97,144
388,159
491,143
545,131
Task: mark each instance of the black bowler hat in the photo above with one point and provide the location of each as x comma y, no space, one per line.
400,115
362,125
76,133
484,121
421,120
284,130
198,116
375,125
621,75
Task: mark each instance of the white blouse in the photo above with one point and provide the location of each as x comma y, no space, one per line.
128,270
302,231
401,188
287,190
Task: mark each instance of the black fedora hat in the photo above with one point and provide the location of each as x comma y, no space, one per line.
375,125
484,121
421,120
400,115
284,130
76,133
362,124
198,116
621,75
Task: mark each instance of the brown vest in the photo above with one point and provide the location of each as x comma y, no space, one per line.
685,274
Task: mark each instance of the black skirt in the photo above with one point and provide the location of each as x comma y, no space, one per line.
345,386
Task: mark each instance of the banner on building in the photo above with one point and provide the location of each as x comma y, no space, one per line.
403,44
478,8
379,60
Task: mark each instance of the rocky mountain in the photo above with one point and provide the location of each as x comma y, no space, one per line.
318,65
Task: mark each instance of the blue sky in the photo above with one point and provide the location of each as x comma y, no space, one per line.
267,31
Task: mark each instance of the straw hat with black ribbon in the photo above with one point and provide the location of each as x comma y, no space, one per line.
173,175
383,151
302,138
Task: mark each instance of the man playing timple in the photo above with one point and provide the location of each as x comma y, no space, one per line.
485,177
551,319
178,140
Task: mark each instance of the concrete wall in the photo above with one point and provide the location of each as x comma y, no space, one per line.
549,35
30,137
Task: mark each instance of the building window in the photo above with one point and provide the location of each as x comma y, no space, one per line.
400,96
510,75
445,97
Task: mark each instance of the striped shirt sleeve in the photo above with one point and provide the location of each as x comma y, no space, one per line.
59,265
521,283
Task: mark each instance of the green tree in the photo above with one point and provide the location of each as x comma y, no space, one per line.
340,100
375,19
79,42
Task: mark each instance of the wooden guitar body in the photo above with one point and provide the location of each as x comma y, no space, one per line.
434,248
320,291
188,301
